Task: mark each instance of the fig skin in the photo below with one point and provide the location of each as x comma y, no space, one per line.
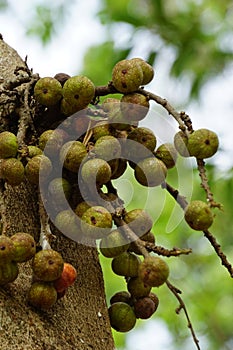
114,244
96,171
139,221
8,145
67,278
51,141
144,143
42,295
137,288
107,148
147,70
153,271
48,91
47,265
7,250
96,222
203,143
72,154
127,76
67,222
62,77
38,167
25,246
180,143
126,264
8,272
150,172
122,317
59,188
12,170
78,91
144,308
122,296
168,154
198,215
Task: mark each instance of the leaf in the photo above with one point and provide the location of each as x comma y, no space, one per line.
46,22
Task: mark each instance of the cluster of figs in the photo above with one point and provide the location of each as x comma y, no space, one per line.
75,160
51,276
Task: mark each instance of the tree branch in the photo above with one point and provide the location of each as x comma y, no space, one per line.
219,251
205,185
181,200
177,293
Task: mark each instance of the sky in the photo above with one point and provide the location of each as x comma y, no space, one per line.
65,54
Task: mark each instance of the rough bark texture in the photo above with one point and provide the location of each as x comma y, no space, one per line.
80,319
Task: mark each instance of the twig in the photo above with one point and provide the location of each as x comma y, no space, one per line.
177,293
182,118
219,252
165,252
187,121
205,185
171,110
181,200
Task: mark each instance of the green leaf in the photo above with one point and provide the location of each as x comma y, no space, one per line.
46,22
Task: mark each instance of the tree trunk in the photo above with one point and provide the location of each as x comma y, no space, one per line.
79,320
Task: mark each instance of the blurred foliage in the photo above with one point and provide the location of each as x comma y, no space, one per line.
194,36
47,20
199,33
3,5
206,285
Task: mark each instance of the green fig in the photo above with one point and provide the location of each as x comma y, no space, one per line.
153,271
137,288
198,215
25,246
168,154
38,167
12,171
47,265
180,143
48,91
8,145
122,317
147,70
7,250
78,92
96,171
126,264
203,143
139,221
8,272
113,244
127,76
150,172
72,154
107,148
42,295
96,222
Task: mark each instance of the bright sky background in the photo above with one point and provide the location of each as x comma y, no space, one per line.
65,53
